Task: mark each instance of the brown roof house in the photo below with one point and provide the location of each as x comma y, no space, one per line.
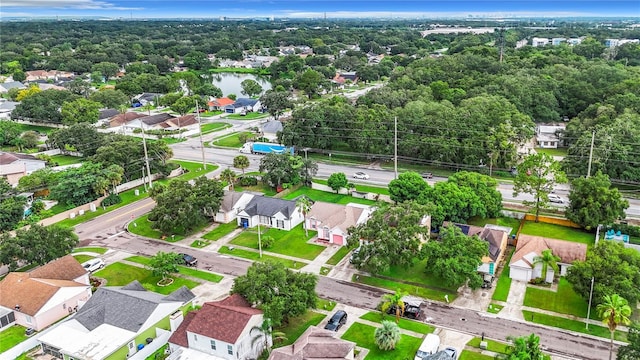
522,265
219,330
332,221
496,236
316,344
13,166
47,294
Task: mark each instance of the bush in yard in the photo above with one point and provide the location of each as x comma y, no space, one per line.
267,241
387,336
248,181
112,199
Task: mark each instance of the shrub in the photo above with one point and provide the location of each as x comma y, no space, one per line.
627,229
112,199
248,181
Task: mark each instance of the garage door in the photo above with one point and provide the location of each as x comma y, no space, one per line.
520,274
338,239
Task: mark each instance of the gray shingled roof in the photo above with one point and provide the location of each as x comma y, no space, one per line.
13,84
127,307
272,126
108,113
267,206
156,119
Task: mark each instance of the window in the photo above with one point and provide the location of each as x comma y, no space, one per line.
27,318
280,224
64,306
213,344
265,220
131,345
195,337
230,349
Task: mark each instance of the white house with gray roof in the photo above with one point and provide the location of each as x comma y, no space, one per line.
117,323
272,212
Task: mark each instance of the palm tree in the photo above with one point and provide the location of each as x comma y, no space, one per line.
241,162
614,310
387,336
524,347
304,204
547,259
229,176
265,331
391,301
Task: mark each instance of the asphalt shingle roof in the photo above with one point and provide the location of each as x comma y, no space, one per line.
267,206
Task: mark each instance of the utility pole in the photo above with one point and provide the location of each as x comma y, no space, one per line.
590,297
259,239
593,138
146,156
395,146
204,163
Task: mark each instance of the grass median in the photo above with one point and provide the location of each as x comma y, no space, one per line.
572,325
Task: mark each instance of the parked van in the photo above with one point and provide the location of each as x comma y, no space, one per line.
93,264
428,347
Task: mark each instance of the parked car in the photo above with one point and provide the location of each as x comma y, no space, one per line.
555,198
427,175
189,260
428,347
361,175
337,320
93,265
354,254
453,352
411,307
29,331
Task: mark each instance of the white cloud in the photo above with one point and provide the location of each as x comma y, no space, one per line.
65,4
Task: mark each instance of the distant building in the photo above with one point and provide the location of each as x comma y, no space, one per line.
611,43
537,42
558,41
549,135
13,166
4,87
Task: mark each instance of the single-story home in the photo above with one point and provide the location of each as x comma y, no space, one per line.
497,237
343,77
6,108
179,122
118,322
45,295
272,212
221,330
123,119
35,75
316,343
13,166
4,87
232,203
219,103
549,135
522,265
243,105
147,98
332,221
270,129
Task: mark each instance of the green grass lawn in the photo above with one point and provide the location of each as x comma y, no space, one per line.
231,141
417,274
557,232
428,293
552,152
501,293
361,188
514,224
494,346
406,324
317,195
220,231
82,258
291,243
263,188
66,159
472,355
199,243
183,270
297,326
255,256
97,250
213,127
326,304
564,301
119,274
338,256
248,116
494,308
572,325
142,226
362,335
12,337
41,129
194,170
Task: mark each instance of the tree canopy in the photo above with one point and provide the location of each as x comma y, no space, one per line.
593,202
407,187
537,175
36,245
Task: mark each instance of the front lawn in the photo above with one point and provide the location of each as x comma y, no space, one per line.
82,258
12,337
494,346
248,116
255,256
338,256
428,293
220,231
552,152
183,270
417,274
62,160
119,274
326,304
195,169
231,141
472,355
514,224
406,324
97,250
564,301
261,187
501,293
142,226
572,325
297,326
361,188
494,308
318,195
214,126
362,335
557,232
291,243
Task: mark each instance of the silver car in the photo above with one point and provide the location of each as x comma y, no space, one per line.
361,175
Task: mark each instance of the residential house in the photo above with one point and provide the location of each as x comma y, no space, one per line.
45,295
243,105
4,87
316,344
232,203
147,98
522,266
13,166
536,42
558,41
118,322
342,78
6,108
149,121
221,330
575,41
272,212
123,119
219,103
270,130
107,114
611,43
549,135
180,122
32,76
332,221
496,236
46,86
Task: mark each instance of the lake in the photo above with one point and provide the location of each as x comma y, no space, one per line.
229,83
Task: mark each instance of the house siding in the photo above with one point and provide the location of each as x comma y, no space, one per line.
242,349
61,310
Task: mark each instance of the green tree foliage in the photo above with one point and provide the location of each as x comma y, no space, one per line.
197,60
279,292
251,88
455,257
615,270
28,140
128,153
43,106
164,264
593,201
632,350
107,69
38,180
185,104
548,260
11,207
393,301
77,186
9,131
36,245
80,111
266,333
169,99
408,186
337,181
484,187
208,90
304,205
614,311
537,175
79,86
276,102
285,169
387,335
109,98
309,82
229,176
82,138
241,162
141,68
393,236
523,347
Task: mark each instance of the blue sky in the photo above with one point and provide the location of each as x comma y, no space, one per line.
316,8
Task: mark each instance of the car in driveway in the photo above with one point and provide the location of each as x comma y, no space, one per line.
453,352
337,320
189,260
555,199
360,175
93,264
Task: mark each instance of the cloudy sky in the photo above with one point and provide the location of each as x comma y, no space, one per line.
315,8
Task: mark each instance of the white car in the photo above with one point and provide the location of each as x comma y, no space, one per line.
555,199
93,265
361,175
